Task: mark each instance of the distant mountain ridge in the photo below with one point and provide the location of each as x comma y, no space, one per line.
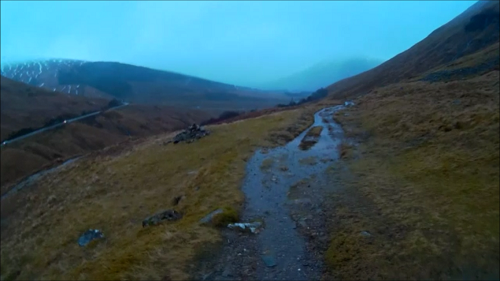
322,74
137,84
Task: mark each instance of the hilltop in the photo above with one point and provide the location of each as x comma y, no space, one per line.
138,84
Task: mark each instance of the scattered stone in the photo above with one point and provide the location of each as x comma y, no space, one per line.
169,215
88,236
253,227
208,218
348,103
366,234
303,223
227,273
194,132
304,201
269,260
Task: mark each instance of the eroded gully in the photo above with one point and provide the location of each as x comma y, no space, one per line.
282,250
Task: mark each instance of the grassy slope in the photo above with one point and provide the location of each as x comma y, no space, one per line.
424,180
23,158
115,192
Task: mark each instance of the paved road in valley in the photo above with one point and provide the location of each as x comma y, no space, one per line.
59,124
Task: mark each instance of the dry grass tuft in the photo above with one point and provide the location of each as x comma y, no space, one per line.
345,150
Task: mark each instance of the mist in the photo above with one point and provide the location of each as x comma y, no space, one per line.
242,43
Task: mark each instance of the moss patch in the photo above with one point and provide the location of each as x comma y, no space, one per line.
228,215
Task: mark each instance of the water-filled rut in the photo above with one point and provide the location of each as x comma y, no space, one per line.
270,174
280,250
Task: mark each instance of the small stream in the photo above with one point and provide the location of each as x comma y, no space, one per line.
281,247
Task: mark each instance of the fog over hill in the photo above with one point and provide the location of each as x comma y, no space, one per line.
322,74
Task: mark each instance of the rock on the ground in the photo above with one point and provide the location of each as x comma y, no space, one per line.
169,215
88,236
208,218
253,227
269,260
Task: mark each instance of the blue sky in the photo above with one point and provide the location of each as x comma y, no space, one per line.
237,42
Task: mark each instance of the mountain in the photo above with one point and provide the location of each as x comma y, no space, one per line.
475,29
137,84
322,74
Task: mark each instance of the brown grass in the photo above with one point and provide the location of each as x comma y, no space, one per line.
425,185
114,193
345,150
89,135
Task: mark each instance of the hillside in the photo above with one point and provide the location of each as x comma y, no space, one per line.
419,174
322,74
138,85
24,106
475,29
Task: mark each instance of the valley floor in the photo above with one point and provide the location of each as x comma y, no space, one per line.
414,195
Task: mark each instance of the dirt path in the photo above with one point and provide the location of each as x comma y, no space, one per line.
284,187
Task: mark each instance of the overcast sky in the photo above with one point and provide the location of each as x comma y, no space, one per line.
232,41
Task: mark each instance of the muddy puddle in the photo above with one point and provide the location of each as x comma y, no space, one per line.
275,189
269,196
